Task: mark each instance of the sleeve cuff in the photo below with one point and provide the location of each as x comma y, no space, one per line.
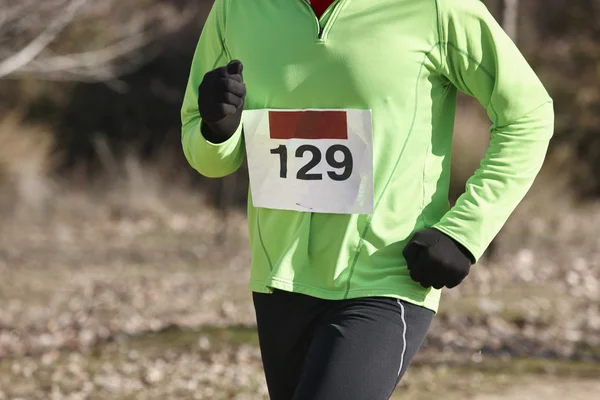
470,251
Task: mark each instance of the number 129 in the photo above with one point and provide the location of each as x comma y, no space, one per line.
345,164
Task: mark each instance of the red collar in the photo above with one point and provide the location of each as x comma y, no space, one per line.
319,6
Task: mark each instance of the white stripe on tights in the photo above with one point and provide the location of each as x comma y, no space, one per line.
403,336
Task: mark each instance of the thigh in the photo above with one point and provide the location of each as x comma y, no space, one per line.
417,321
362,349
285,323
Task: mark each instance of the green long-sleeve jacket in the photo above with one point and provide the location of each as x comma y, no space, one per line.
397,65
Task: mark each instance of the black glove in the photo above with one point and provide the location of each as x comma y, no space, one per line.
435,259
221,101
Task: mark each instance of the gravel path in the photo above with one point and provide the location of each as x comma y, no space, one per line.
549,390
85,285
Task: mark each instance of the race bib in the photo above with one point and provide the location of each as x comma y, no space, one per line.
310,160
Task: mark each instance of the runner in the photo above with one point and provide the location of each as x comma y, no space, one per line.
344,113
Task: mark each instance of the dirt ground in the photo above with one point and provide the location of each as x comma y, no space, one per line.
548,389
107,294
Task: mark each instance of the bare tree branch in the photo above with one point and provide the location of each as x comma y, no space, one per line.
122,40
89,59
36,46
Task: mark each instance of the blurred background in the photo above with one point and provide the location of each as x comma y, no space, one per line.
123,272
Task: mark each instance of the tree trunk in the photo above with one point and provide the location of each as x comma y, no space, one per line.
510,18
223,198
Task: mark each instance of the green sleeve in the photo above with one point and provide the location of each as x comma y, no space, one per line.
479,59
209,159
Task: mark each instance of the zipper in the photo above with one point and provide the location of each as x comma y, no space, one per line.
333,9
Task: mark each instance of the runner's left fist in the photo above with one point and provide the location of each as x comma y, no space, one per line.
436,260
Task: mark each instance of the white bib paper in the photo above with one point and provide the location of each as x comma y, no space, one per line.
310,160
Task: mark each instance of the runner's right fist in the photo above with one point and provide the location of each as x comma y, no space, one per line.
221,101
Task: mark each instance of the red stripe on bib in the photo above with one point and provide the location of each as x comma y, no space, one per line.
308,125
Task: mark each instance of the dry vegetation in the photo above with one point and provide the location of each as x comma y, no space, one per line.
124,290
